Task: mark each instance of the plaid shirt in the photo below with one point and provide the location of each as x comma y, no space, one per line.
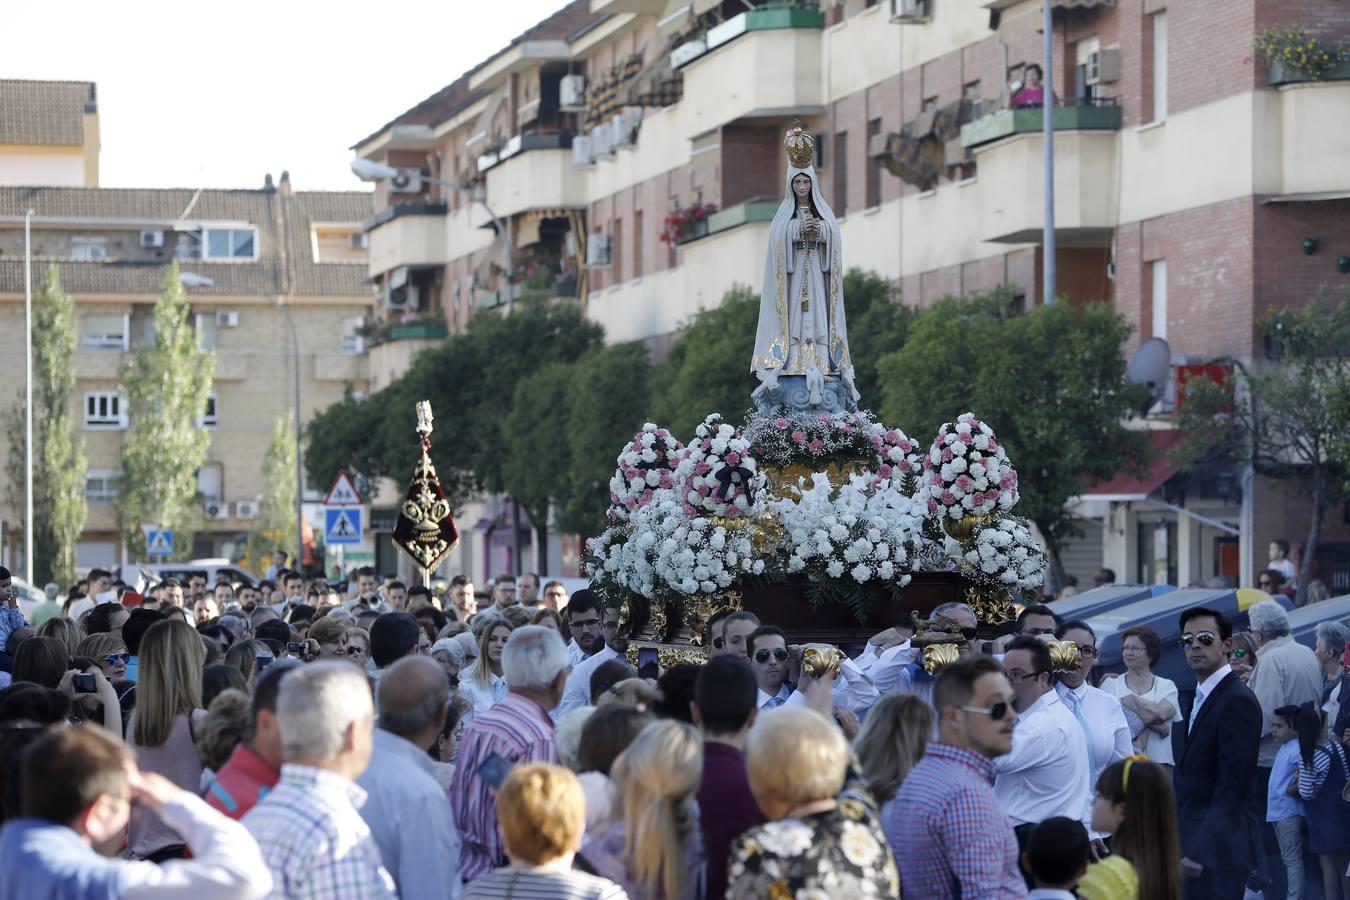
315,842
521,732
949,834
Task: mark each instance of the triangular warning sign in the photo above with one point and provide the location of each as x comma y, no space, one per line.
343,492
343,527
159,543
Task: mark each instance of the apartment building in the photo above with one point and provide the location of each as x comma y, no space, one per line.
264,259
49,133
632,151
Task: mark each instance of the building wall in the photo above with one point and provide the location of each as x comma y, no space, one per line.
52,166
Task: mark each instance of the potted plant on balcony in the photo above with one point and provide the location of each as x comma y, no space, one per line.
685,224
1294,54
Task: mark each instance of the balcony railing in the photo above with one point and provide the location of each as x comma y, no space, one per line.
1007,122
523,143
772,17
758,209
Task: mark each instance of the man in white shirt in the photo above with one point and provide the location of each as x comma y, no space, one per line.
577,693
1046,774
768,651
914,678
585,619
406,808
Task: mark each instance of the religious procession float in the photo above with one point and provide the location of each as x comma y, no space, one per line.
808,512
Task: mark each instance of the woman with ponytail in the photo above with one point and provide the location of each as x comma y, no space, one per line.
1134,803
655,850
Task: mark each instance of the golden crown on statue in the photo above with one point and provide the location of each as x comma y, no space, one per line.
801,147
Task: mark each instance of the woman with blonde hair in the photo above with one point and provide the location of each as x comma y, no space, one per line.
162,733
483,681
655,850
67,631
891,741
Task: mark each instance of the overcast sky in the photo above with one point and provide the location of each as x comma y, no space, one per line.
218,94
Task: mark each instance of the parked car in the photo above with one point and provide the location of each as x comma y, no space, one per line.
29,597
207,567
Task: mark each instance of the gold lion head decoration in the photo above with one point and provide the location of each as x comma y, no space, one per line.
941,638
800,146
818,662
1063,656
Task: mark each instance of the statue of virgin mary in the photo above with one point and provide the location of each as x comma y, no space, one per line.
802,335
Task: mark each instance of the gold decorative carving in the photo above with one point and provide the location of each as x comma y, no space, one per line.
425,529
1064,656
991,605
817,662
800,146
961,529
938,656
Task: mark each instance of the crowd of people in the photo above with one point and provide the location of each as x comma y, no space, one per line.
301,738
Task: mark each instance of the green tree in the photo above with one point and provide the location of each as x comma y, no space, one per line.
167,383
274,527
1289,420
878,324
708,367
538,454
59,465
1050,382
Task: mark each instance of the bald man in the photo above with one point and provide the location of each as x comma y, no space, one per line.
406,808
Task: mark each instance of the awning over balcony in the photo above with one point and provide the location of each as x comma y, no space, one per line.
527,231
1128,486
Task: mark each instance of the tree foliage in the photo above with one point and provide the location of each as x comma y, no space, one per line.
708,366
1289,420
59,465
167,383
1051,382
274,527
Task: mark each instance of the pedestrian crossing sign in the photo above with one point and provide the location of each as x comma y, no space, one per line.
342,525
159,543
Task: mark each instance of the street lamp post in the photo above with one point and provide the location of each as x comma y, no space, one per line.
1048,273
28,397
369,170
192,279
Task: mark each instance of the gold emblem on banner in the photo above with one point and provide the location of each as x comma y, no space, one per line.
425,529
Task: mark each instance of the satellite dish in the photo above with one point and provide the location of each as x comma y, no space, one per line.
1151,366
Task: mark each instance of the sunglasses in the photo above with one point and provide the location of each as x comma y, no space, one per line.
969,633
998,712
1205,638
1237,653
719,643
1263,583
762,656
113,659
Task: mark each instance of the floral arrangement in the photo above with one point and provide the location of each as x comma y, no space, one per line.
796,438
1005,555
647,463
967,472
680,224
1299,49
898,457
858,533
718,475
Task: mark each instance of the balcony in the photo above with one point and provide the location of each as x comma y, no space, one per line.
407,234
1314,138
761,63
1010,157
344,367
537,177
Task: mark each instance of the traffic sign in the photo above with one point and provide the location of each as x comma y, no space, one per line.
159,543
343,492
342,525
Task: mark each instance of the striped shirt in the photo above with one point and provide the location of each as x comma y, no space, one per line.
949,834
519,731
536,884
315,842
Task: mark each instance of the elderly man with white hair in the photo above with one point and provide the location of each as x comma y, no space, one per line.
310,831
516,730
1286,673
1332,639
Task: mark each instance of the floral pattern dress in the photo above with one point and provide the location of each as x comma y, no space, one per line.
839,853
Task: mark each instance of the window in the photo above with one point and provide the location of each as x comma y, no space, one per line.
1159,66
104,409
102,485
1159,298
637,244
873,186
230,243
352,341
211,481
840,198
616,251
105,332
208,419
89,248
206,331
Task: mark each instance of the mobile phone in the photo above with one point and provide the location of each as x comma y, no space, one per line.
84,683
264,660
296,648
649,663
493,769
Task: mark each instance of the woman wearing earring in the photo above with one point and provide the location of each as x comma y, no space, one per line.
1134,804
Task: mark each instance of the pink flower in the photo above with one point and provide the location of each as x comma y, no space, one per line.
823,417
948,498
932,506
707,443
662,433
689,510
1009,480
946,454
780,423
936,480
702,468
667,480
964,483
905,446
884,470
846,429
645,499
733,511
704,490
733,458
979,498
904,465
877,443
815,446
799,437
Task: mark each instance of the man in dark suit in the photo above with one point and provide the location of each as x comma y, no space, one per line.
1217,767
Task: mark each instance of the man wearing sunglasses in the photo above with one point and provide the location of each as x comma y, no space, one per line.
914,679
1216,772
1047,772
769,655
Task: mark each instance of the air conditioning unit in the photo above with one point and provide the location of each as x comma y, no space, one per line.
625,126
152,237
217,509
406,181
581,152
572,93
602,141
1108,65
227,318
246,509
911,12
358,241
402,297
598,251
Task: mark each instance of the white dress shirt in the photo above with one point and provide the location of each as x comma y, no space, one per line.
766,701
885,668
410,818
1109,733
1203,689
484,698
1046,774
575,654
853,690
578,691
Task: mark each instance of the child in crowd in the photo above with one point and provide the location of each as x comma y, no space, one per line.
1284,809
1056,857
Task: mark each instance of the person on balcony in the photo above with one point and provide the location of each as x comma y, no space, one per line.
1030,94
